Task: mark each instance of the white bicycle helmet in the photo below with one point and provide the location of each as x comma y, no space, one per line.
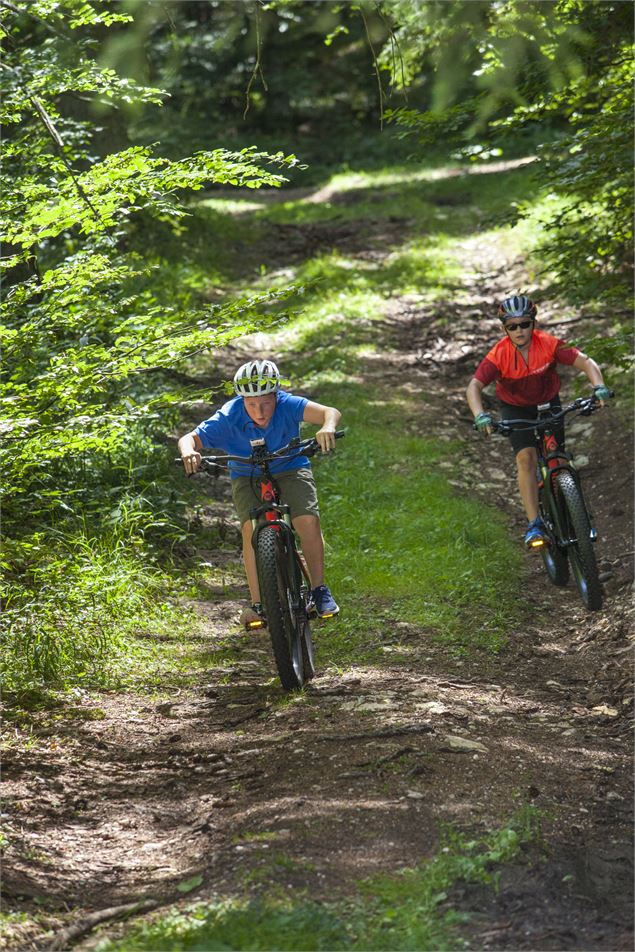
256,378
517,306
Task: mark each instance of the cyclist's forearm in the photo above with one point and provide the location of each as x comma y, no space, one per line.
322,416
325,436
332,417
473,395
588,366
187,445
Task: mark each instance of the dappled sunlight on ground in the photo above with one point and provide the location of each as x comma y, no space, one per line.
445,692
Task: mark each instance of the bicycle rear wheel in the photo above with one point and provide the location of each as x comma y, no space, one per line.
277,596
581,553
554,558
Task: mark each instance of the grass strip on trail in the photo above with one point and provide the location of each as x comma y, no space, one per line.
402,544
412,910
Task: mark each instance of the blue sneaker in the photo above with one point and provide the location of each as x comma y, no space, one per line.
536,534
325,604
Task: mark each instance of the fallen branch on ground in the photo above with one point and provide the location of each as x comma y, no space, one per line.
64,938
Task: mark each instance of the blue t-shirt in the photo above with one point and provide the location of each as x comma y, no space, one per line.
231,429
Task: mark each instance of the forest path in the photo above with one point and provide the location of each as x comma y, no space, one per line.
230,788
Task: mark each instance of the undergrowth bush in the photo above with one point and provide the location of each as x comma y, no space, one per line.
73,601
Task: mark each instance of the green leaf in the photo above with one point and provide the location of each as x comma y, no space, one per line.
189,884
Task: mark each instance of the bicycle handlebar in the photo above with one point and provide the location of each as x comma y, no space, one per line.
583,405
296,447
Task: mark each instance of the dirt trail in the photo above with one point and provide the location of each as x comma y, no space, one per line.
233,783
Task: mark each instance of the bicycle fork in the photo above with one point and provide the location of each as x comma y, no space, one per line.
562,533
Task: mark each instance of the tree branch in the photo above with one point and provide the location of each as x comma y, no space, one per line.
257,65
63,938
59,143
45,23
52,132
376,67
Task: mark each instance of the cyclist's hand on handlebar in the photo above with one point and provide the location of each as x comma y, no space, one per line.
483,423
192,463
602,393
326,438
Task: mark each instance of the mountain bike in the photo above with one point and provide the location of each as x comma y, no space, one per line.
285,586
562,505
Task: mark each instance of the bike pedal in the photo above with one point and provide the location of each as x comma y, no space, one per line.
255,625
538,544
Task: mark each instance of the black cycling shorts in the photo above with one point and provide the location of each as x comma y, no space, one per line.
521,439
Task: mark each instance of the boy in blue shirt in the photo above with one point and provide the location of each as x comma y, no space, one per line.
261,410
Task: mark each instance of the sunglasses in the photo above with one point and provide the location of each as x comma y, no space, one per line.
522,324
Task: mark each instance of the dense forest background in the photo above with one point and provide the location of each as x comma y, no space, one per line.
118,117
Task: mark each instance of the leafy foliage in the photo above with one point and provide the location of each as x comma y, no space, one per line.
287,70
82,324
563,70
590,238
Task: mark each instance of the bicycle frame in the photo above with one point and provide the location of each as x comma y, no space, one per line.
570,533
273,513
550,456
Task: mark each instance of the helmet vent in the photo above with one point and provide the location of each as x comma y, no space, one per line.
256,378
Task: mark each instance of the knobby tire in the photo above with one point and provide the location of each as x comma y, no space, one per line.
273,592
554,558
308,661
581,553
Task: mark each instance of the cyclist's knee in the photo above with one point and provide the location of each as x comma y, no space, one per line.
308,528
306,522
526,459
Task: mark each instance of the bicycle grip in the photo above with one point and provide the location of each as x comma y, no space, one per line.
339,433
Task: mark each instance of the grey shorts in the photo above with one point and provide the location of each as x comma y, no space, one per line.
297,490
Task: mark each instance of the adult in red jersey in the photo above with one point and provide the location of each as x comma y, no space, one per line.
523,364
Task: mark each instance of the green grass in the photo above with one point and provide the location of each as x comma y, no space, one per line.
412,910
421,552
447,199
402,544
88,597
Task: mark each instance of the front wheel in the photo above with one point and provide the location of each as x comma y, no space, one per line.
308,660
581,553
276,592
554,558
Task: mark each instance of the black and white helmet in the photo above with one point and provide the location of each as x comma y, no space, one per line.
517,306
256,378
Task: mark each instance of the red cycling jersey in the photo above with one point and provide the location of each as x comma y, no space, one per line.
526,383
